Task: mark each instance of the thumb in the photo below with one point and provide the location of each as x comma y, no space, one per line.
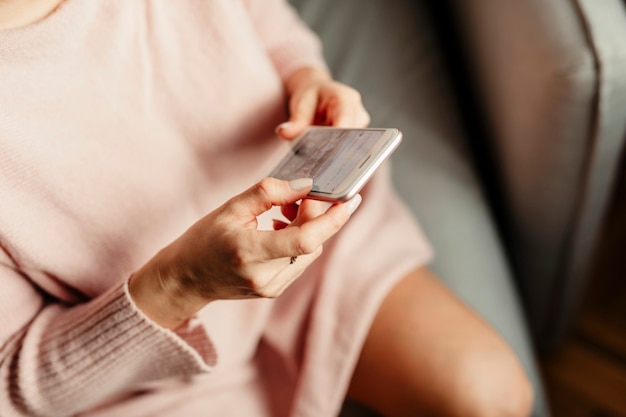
267,193
302,109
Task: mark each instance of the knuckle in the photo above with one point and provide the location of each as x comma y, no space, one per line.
264,187
255,284
306,244
236,255
263,190
337,223
350,93
237,258
366,118
318,251
354,94
264,291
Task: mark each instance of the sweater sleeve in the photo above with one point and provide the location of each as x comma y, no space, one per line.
289,42
56,360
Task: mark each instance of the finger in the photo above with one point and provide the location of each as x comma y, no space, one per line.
342,111
267,193
363,118
354,116
346,109
344,116
290,211
309,209
279,224
307,237
282,273
302,109
291,272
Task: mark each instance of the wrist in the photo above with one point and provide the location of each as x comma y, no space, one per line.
160,297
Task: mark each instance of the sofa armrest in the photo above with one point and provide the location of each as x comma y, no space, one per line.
553,92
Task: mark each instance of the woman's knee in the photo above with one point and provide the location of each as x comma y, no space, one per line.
493,384
428,354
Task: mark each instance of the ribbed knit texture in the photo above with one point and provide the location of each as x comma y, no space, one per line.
84,354
121,124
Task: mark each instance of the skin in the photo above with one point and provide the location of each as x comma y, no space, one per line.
224,256
16,13
446,360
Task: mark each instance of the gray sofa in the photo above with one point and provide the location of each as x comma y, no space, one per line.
514,115
552,76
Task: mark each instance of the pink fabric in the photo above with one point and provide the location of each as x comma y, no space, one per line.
122,123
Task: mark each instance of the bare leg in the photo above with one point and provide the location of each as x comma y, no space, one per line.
429,355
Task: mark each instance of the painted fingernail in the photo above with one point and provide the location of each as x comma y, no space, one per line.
300,183
285,125
353,204
278,224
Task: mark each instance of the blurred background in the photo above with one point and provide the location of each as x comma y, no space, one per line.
586,373
514,121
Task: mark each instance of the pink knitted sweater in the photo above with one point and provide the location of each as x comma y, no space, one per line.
122,123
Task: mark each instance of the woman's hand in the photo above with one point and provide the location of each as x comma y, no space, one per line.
224,256
316,99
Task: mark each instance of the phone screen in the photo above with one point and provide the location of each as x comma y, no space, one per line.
327,156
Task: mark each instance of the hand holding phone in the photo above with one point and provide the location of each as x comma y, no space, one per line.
339,160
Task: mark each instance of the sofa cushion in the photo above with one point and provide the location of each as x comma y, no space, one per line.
554,91
388,51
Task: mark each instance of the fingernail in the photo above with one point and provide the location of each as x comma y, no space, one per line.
300,183
353,204
278,224
284,125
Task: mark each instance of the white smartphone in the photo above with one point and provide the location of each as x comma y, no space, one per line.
340,161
